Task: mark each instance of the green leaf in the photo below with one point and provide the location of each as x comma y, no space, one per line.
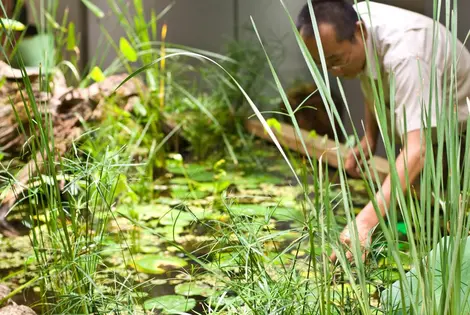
97,75
156,264
71,37
145,212
127,50
11,25
274,123
171,304
177,218
279,213
93,8
401,228
434,262
313,134
194,288
184,193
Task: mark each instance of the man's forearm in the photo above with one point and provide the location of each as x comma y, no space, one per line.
372,129
413,164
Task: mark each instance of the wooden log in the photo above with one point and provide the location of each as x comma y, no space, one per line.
319,147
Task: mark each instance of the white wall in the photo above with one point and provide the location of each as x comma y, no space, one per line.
273,23
206,24
202,24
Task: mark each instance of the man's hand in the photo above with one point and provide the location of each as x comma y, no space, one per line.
364,231
350,164
409,162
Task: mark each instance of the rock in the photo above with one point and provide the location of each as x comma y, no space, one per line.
16,310
4,291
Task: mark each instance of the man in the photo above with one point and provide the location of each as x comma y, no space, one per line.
403,41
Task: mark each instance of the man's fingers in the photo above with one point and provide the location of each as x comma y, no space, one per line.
333,257
364,255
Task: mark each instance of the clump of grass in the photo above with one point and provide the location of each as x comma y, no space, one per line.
259,291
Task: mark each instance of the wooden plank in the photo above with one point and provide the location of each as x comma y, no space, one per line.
319,147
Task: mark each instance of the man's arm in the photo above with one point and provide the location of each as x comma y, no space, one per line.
368,141
372,128
410,159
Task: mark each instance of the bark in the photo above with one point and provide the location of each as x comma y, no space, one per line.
16,310
65,108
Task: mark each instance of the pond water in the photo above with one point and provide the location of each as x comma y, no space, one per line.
188,221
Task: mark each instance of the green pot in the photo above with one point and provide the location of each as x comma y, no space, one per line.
35,51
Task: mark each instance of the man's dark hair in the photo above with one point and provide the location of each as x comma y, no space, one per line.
338,13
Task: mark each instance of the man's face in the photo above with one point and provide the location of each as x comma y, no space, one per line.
343,59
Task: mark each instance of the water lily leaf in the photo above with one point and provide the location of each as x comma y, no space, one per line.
183,192
223,260
169,231
144,212
169,201
278,213
158,281
177,218
248,210
405,261
436,259
195,172
194,288
171,304
357,185
127,50
156,264
180,181
255,179
202,176
385,276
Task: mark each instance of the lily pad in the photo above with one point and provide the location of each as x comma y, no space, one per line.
156,264
195,172
278,213
144,212
170,304
169,231
194,288
183,192
177,217
254,180
434,264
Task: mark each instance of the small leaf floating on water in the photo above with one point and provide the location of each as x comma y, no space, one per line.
171,304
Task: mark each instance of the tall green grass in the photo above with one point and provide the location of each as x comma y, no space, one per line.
67,245
69,202
415,212
266,288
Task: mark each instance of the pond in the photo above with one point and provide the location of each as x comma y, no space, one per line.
184,250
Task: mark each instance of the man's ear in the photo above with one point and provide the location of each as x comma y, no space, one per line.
360,28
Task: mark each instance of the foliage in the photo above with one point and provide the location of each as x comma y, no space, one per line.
229,237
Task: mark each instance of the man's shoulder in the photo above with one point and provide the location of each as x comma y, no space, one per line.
390,16
364,7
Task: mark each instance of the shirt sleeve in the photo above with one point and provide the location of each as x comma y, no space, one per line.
413,104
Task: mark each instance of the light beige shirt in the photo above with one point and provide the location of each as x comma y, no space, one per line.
404,46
